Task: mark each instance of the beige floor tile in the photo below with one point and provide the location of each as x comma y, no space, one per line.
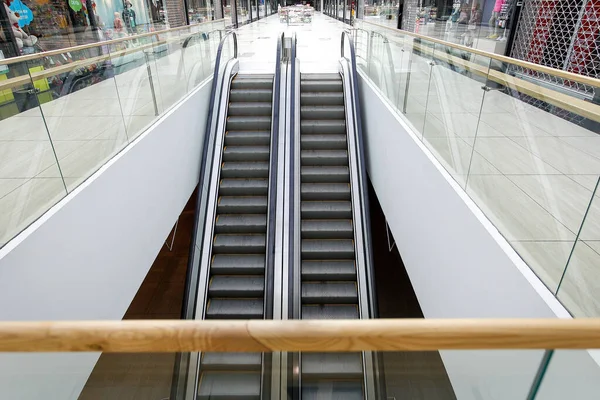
580,288
510,158
513,212
26,203
566,159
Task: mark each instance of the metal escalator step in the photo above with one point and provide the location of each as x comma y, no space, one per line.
248,138
328,270
250,82
241,223
244,187
322,112
313,174
238,264
326,209
246,153
238,244
311,98
329,293
313,76
324,157
324,142
231,361
242,205
333,390
327,229
245,169
227,286
250,95
248,123
319,249
250,108
321,85
229,385
234,309
330,311
323,126
325,191
331,366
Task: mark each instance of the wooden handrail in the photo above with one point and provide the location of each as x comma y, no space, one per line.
29,57
307,336
509,60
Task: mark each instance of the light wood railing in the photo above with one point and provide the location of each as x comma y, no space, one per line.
316,335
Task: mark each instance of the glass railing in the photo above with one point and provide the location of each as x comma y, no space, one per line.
519,359
522,140
64,113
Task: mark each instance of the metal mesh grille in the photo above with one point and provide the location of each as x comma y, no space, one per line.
561,34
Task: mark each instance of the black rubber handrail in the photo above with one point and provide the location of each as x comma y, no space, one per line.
188,308
364,197
291,309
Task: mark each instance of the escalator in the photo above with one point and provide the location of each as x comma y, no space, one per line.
331,258
236,287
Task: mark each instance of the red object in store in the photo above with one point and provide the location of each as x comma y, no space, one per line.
541,32
582,58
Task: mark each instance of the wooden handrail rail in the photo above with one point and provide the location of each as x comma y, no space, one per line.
509,60
307,336
29,57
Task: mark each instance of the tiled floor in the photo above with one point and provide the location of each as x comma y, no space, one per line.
47,151
530,171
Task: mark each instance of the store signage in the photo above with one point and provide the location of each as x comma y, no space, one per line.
75,5
24,12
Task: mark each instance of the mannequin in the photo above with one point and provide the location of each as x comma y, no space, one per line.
493,22
129,17
22,38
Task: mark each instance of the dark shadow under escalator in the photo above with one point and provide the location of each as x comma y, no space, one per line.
408,375
160,296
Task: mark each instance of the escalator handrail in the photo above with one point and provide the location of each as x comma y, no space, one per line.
188,307
292,222
363,176
270,262
186,311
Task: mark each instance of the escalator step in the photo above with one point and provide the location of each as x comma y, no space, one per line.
324,142
245,187
242,205
231,361
322,112
324,157
238,244
327,229
251,82
248,123
329,293
323,126
331,366
227,286
319,249
333,390
246,153
232,169
326,209
334,98
320,77
246,264
325,191
241,223
229,385
234,309
330,311
250,109
321,85
250,95
328,270
330,174
247,138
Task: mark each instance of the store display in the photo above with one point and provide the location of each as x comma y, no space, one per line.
296,15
